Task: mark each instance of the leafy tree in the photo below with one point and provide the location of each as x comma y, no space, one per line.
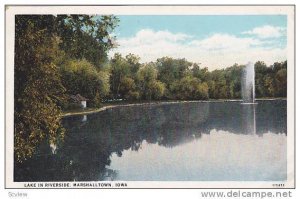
271,81
128,88
170,70
87,36
261,70
280,76
218,80
281,83
43,44
202,91
190,88
134,64
80,76
38,89
120,69
149,87
155,90
200,73
233,81
269,84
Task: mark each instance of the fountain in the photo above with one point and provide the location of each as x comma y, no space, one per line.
248,84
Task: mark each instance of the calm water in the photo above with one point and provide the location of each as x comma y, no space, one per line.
197,141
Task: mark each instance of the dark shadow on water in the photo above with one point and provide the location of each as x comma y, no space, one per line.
90,141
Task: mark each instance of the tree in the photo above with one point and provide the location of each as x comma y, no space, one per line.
120,69
170,70
149,87
190,88
269,85
220,90
200,73
281,83
271,81
133,61
80,76
155,90
44,43
261,70
233,81
123,76
128,88
87,36
38,89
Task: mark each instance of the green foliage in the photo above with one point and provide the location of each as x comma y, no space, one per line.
155,90
119,70
87,36
190,88
149,87
52,52
123,76
38,89
171,70
200,73
281,82
133,62
81,77
271,81
219,89
180,79
127,88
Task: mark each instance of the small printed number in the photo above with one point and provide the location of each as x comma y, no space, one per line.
278,185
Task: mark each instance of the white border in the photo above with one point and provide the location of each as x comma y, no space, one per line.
155,10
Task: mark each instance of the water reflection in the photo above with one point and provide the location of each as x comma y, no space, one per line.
119,143
249,118
84,118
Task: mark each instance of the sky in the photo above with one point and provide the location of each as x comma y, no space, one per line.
213,41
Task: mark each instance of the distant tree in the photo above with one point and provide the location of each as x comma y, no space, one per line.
134,64
280,79
261,70
219,85
123,78
120,69
155,90
233,81
190,88
128,88
149,87
170,70
80,76
200,73
269,84
271,81
281,83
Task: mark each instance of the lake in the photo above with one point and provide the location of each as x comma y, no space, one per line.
195,141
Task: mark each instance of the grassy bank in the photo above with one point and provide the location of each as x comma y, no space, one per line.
110,105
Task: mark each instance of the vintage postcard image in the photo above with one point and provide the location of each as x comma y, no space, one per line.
150,96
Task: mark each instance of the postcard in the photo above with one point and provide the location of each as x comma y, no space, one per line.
150,96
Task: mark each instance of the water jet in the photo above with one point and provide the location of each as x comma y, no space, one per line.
248,84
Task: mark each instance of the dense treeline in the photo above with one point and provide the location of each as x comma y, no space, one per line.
179,79
63,55
271,81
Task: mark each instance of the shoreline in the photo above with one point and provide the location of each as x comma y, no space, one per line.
111,106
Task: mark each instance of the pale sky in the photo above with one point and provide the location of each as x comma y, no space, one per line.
215,41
